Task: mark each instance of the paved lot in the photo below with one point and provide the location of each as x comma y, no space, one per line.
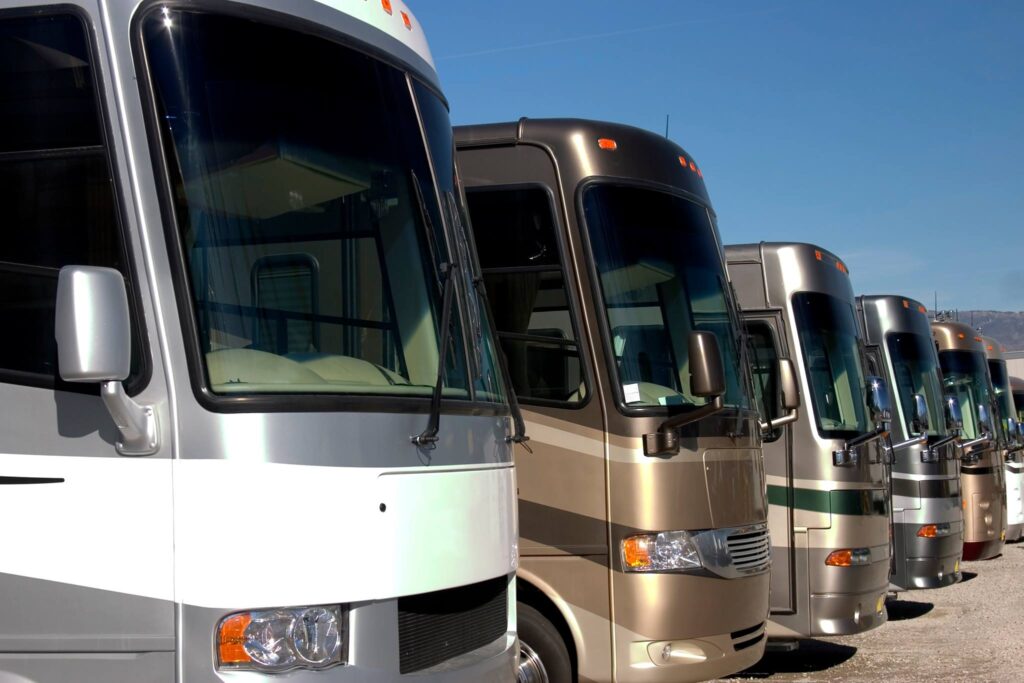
973,631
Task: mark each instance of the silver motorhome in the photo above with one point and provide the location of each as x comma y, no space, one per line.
251,418
827,490
928,521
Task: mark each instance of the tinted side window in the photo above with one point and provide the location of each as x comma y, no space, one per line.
55,185
518,249
764,365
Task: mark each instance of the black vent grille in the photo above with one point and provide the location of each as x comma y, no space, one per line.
748,637
436,627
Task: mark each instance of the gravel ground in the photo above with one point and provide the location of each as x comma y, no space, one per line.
972,631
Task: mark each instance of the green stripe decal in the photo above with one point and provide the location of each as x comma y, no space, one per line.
844,502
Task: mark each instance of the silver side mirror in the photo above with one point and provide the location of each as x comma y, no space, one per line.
93,332
789,398
879,404
984,419
954,414
919,422
92,327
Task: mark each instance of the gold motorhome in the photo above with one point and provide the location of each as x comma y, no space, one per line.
643,539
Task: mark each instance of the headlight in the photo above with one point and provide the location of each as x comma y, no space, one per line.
667,551
283,639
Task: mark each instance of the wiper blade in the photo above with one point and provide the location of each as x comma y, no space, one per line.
428,437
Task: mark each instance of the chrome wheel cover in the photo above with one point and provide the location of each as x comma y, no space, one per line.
531,669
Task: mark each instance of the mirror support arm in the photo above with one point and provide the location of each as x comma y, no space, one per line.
967,448
919,440
769,426
933,450
845,456
665,441
136,423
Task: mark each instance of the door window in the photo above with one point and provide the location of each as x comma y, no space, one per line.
764,364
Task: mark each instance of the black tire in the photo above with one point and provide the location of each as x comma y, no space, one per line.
541,636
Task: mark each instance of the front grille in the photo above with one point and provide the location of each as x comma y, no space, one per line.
436,627
747,637
750,551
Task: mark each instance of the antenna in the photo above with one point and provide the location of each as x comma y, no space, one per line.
666,126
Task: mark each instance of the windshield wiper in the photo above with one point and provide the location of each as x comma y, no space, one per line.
428,437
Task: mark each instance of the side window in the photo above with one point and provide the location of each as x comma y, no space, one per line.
764,361
55,186
518,249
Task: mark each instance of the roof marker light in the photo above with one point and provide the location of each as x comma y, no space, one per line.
978,339
693,167
699,174
386,4
607,143
841,267
906,304
961,335
922,309
406,20
817,254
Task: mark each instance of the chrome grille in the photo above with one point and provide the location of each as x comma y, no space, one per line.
750,550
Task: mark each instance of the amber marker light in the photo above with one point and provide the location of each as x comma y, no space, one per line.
406,20
848,557
961,335
817,254
386,4
231,639
933,531
906,304
636,553
607,143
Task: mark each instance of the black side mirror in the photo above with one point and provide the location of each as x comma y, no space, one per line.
707,373
790,395
919,422
878,400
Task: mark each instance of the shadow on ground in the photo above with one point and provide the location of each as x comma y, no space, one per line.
901,610
812,656
967,576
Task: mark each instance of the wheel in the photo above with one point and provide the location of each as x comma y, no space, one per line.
543,656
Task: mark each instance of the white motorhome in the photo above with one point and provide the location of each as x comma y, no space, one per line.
252,420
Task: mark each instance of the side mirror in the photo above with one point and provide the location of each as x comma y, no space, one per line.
878,400
954,414
707,373
920,418
93,331
1012,430
790,397
92,325
984,419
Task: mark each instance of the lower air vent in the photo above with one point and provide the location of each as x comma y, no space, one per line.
747,637
436,627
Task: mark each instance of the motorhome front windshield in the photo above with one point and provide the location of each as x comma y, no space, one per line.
827,328
965,376
1001,385
313,227
661,277
916,372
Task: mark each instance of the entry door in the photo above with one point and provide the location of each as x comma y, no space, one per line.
766,349
86,584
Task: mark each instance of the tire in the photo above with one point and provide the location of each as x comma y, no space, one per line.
540,640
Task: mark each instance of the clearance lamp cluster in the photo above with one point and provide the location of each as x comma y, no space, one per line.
611,145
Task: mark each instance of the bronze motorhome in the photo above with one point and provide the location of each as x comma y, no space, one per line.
1007,437
643,537
827,486
982,482
928,521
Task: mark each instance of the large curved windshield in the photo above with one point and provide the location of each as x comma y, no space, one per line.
661,277
311,220
1004,399
915,371
965,375
827,329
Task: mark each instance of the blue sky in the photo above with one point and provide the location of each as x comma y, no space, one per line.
890,133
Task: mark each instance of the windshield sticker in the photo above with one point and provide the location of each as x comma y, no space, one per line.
632,392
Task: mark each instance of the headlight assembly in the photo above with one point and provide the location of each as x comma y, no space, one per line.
274,641
667,551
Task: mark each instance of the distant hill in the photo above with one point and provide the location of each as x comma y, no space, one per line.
1005,327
